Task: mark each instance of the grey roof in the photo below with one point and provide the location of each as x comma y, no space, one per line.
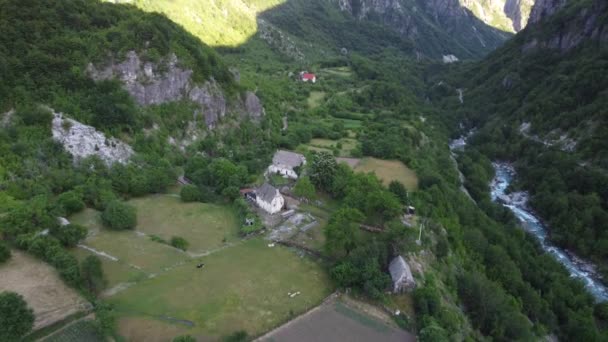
267,192
399,270
288,158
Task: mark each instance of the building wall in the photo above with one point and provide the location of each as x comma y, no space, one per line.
273,207
284,171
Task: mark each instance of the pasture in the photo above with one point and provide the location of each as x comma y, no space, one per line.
343,71
345,146
42,289
388,171
244,287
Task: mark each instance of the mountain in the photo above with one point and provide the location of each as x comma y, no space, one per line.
436,28
540,101
467,29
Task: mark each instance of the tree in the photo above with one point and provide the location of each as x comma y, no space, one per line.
342,232
70,234
399,190
305,188
190,193
179,242
92,274
322,170
433,333
5,252
16,318
119,216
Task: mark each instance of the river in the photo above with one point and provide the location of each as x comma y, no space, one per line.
517,202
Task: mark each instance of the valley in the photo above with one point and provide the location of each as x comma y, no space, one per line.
279,170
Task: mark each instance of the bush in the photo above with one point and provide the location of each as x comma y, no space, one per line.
16,319
304,188
190,193
179,242
184,338
239,336
119,216
69,235
71,202
5,252
92,274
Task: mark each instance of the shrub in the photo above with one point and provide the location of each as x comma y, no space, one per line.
16,319
304,188
92,274
190,193
179,242
184,338
119,216
238,336
69,235
5,252
71,202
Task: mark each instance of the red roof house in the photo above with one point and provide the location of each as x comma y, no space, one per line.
308,77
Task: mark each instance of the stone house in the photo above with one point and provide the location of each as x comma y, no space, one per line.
285,162
269,198
402,277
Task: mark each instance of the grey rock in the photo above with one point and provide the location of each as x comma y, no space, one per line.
152,84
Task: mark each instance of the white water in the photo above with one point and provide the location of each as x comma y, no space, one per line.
517,203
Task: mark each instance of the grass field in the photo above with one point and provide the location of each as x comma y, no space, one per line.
389,170
160,293
315,99
205,226
43,290
242,287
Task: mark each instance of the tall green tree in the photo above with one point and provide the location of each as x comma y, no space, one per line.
119,216
5,252
16,318
305,188
323,170
342,232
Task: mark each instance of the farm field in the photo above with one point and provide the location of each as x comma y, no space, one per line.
327,145
244,287
43,290
337,321
388,171
343,71
83,330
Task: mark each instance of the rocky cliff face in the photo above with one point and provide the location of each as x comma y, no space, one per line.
152,84
588,24
545,8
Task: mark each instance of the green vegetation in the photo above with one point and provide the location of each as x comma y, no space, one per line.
5,252
70,234
235,290
305,188
92,274
179,243
389,171
16,318
83,330
119,216
190,193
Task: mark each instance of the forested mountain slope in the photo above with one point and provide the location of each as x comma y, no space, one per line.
541,101
436,28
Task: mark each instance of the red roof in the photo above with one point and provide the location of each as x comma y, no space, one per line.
308,76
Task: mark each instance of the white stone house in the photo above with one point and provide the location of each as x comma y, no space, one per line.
285,162
269,198
401,275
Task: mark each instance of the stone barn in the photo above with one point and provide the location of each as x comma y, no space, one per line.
401,275
269,198
285,162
